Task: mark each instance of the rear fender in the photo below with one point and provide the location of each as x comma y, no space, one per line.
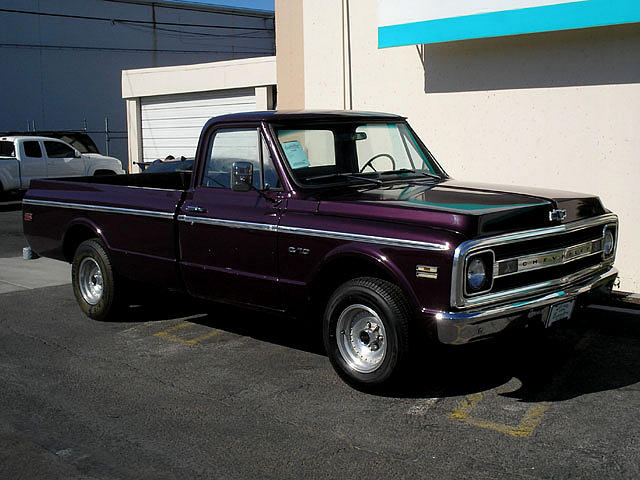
78,230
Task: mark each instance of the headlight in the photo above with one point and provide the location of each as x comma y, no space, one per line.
479,272
476,274
609,243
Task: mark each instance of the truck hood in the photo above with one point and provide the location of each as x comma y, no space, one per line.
473,209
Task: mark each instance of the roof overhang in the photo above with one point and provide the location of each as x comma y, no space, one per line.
200,77
411,22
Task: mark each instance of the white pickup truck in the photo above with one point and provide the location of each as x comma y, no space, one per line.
24,158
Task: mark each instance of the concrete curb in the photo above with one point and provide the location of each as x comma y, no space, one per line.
19,274
620,302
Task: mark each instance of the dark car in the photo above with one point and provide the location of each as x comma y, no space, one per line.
339,217
159,166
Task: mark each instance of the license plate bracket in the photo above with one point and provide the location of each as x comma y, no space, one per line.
559,311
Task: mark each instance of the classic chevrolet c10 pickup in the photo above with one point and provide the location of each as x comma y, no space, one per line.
343,213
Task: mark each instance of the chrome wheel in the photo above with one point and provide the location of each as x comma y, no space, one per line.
90,281
361,338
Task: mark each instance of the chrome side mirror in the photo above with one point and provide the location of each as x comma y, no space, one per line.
241,176
76,153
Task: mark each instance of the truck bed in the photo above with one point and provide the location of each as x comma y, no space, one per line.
135,215
168,181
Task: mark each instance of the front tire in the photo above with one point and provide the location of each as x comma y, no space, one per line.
366,332
95,285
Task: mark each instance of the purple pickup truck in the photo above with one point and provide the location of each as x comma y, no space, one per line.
344,217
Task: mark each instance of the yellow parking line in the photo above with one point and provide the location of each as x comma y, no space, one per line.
203,337
531,420
168,334
175,328
525,427
463,410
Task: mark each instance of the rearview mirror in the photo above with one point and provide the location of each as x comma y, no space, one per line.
76,153
241,176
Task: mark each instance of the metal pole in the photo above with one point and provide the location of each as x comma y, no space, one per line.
106,133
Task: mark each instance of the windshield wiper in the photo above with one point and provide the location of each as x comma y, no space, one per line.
409,170
348,176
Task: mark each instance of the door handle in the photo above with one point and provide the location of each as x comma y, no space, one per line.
194,209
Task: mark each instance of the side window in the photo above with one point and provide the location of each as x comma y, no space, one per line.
228,146
58,150
6,149
32,149
271,178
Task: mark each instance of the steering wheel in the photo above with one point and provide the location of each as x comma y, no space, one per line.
369,163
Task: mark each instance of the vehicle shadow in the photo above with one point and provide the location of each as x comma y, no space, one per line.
10,204
598,351
283,330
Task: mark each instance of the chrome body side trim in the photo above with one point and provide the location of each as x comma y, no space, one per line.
465,248
394,242
219,222
356,237
99,208
465,326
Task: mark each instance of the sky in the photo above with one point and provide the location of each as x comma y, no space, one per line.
255,4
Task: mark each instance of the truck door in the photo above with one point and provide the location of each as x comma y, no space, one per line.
61,160
228,238
33,163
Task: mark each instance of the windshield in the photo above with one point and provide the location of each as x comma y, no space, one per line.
328,153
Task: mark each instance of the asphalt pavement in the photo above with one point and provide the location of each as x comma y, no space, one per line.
181,389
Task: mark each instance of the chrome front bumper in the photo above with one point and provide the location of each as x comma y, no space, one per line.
465,326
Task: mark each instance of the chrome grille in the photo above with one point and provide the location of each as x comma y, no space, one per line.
527,263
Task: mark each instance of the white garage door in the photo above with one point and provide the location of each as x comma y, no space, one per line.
171,124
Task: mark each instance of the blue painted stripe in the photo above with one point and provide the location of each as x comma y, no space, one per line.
591,13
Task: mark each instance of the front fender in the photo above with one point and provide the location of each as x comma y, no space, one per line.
377,259
94,164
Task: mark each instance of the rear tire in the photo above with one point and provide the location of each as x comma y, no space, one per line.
96,286
366,332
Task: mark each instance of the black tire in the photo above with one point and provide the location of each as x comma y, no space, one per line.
108,303
382,301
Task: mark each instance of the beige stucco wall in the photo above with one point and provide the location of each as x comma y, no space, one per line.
558,109
289,39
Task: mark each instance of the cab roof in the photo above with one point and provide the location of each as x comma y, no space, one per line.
303,115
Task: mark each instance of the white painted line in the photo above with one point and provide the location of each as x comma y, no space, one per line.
421,407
